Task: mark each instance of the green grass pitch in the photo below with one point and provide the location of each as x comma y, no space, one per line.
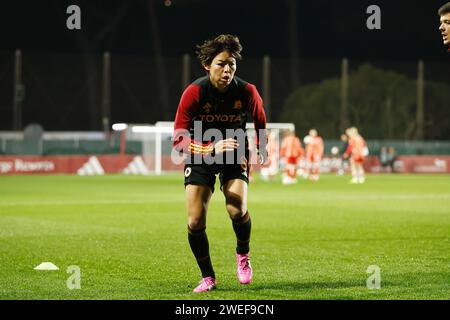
309,241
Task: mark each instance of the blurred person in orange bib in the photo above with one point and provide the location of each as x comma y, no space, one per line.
291,151
357,151
314,153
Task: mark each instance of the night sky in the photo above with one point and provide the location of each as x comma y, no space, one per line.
325,28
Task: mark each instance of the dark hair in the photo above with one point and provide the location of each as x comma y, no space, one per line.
211,48
444,9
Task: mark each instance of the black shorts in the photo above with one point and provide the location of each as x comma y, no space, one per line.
204,174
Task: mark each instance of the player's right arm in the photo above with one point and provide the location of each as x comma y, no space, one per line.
187,109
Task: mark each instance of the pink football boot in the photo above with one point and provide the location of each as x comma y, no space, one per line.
244,269
206,284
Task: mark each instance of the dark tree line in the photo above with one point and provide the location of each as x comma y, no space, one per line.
381,103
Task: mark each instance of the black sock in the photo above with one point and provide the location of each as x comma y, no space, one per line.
242,227
200,248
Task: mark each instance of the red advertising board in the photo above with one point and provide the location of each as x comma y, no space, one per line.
100,164
63,164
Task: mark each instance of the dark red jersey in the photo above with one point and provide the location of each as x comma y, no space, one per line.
202,103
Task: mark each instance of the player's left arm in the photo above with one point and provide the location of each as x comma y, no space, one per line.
322,148
348,151
256,109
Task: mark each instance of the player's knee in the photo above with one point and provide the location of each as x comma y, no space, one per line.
236,212
196,223
197,217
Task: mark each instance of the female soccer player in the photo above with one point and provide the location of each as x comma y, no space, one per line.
292,151
210,128
357,150
314,153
